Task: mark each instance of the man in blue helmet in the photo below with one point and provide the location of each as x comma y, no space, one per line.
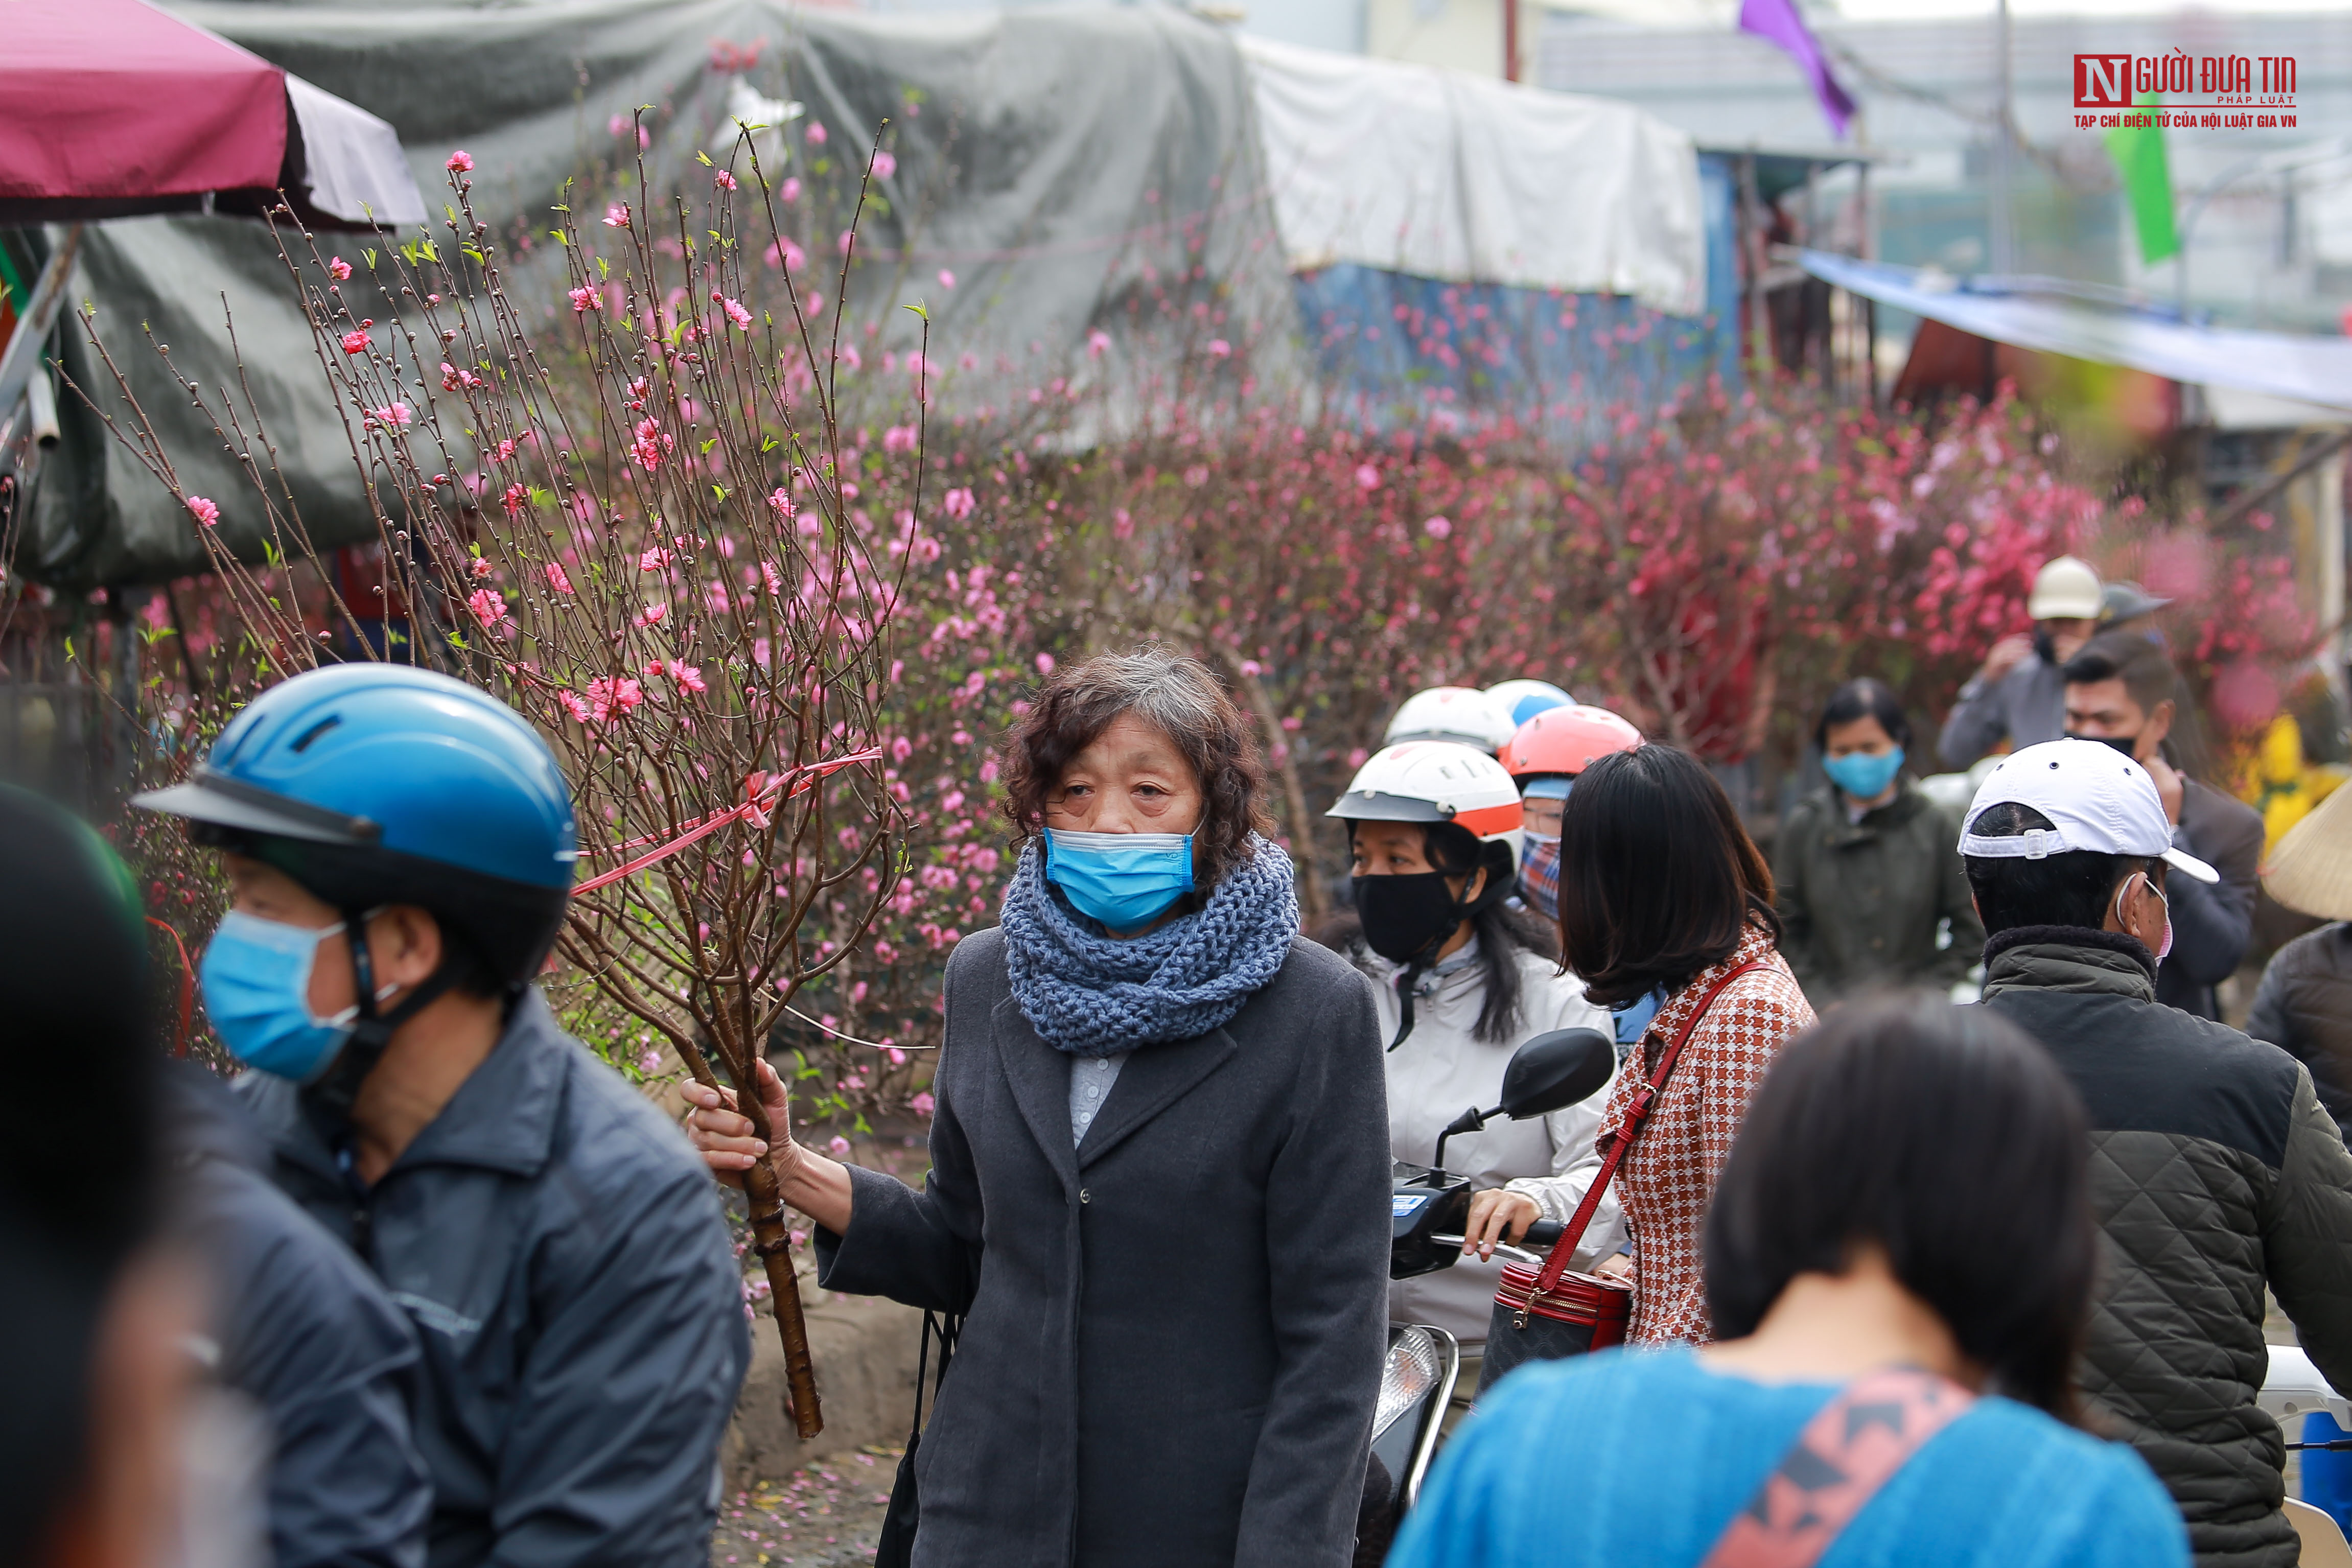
400,847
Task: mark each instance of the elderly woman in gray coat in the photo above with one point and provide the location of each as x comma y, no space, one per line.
1159,1170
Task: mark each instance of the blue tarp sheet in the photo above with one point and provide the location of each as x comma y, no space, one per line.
1395,350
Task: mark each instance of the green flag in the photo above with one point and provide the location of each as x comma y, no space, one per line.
2139,152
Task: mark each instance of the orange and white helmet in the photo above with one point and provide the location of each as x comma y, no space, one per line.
1438,781
1566,741
1461,713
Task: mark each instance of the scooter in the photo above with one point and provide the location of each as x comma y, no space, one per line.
1429,1208
2294,1387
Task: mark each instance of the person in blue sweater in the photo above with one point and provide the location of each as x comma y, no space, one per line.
1909,1195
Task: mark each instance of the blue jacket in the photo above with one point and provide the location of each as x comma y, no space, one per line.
1640,1458
560,1250
307,1334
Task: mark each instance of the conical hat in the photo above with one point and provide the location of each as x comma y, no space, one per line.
2311,867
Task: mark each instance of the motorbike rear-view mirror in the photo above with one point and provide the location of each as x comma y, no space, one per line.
1556,1070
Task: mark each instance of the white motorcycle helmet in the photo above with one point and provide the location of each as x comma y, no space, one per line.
1441,781
1522,700
1464,715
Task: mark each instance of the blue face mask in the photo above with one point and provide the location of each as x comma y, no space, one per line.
257,979
1124,880
1863,776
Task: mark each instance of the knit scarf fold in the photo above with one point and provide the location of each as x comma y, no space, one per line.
1092,994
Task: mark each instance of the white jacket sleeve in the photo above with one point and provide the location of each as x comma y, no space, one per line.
1575,1159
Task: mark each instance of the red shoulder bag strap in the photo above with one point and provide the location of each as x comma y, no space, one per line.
1556,1261
1852,1447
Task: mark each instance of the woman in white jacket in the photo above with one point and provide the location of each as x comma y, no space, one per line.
1462,978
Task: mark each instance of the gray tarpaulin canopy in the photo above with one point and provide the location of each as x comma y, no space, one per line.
1061,165
2306,369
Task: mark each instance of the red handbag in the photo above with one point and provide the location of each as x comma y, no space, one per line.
1548,1313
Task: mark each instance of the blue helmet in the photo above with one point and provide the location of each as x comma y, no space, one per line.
1524,699
372,784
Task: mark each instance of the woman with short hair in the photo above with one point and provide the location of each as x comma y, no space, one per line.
1901,1259
1867,872
1160,1177
1662,895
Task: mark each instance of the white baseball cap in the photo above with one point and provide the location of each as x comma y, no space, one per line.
2097,800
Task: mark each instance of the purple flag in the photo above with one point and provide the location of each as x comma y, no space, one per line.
1777,20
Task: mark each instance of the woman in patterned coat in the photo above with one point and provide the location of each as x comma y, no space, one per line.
1664,895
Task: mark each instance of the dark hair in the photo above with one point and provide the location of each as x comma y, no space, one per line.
1863,697
1658,880
1177,696
1944,1135
1503,932
2147,675
2071,888
74,991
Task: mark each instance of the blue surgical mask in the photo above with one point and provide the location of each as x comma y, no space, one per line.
1863,776
257,979
1124,880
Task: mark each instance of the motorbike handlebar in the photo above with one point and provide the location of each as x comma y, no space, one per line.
1541,1235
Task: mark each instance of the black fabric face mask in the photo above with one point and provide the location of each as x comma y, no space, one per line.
2126,744
1405,915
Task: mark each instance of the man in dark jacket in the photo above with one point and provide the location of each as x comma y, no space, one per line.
2120,691
2304,1006
300,1327
2215,1172
399,849
2016,696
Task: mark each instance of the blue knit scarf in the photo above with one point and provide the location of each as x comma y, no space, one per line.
1092,994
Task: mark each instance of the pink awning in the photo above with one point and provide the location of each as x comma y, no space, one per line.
115,104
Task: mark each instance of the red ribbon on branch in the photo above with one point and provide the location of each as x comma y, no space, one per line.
187,983
764,790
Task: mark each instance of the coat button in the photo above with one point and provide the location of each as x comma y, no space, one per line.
1085,1196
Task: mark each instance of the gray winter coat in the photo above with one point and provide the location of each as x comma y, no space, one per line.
2214,1173
2026,707
1861,903
2305,1006
561,1252
308,1335
1173,1330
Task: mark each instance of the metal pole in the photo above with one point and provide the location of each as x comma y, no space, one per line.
2004,242
1752,249
1866,247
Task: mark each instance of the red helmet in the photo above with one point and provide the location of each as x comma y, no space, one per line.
1567,740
